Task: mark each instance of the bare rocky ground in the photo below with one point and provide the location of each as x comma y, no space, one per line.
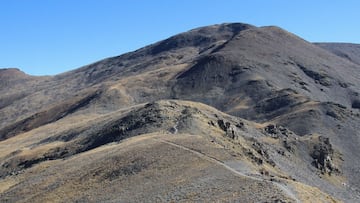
226,113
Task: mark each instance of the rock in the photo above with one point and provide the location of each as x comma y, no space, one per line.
240,125
222,125
253,157
227,128
276,131
271,129
332,114
281,152
263,152
211,123
231,133
289,146
322,155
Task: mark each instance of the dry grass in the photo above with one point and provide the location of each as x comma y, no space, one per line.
7,183
307,193
172,172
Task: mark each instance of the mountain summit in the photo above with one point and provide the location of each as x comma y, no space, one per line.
228,112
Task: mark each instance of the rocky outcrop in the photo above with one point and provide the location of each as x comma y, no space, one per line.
276,131
322,155
231,130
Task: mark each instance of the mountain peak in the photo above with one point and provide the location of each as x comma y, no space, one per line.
200,37
234,27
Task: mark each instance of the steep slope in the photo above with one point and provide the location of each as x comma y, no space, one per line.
260,62
302,102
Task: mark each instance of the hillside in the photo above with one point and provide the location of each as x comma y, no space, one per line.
228,112
348,51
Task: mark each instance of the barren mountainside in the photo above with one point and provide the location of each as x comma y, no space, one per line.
228,112
348,51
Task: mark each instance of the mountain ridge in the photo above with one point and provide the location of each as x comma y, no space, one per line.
292,106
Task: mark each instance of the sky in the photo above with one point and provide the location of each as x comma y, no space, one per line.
47,37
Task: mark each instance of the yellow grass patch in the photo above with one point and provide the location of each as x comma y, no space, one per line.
311,194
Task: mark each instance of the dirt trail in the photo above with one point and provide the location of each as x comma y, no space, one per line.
281,186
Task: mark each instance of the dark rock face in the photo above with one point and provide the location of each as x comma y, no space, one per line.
231,130
323,155
224,126
277,131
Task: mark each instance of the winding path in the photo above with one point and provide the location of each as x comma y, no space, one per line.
281,186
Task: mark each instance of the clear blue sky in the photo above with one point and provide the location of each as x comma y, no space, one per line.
52,36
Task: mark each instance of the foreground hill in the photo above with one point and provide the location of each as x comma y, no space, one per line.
187,151
293,127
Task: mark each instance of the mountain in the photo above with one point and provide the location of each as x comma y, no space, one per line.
344,50
228,112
